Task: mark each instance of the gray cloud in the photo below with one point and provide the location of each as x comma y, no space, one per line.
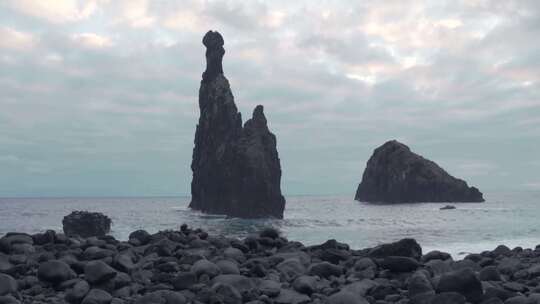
105,102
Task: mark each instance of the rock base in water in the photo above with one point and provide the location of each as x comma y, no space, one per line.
86,224
191,266
394,174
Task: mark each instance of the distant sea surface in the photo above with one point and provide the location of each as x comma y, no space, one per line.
510,218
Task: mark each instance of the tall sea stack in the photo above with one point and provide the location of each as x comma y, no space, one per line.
394,174
236,169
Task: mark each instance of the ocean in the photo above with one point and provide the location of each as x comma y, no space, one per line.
510,218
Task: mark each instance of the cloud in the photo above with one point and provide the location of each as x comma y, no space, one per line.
92,88
9,159
17,40
532,185
135,13
56,11
92,40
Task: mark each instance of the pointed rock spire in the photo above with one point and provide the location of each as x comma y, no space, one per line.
214,55
236,170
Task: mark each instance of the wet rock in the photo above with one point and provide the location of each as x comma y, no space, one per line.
509,266
501,250
394,174
162,297
492,301
239,282
398,264
334,256
360,288
514,286
344,297
270,288
8,285
287,296
47,237
305,284
448,298
291,268
518,300
97,296
205,267
269,232
124,262
436,255
498,292
86,224
419,283
9,300
234,254
405,247
534,271
448,207
228,267
55,272
141,236
325,270
227,294
184,280
464,282
96,272
14,238
489,273
78,292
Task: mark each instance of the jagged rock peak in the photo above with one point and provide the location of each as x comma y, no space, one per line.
258,118
214,55
395,174
236,169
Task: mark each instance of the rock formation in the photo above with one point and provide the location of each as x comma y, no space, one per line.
192,266
236,169
86,224
394,174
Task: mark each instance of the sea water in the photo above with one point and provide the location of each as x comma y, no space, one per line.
510,218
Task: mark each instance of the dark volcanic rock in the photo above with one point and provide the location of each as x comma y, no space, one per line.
398,263
97,296
78,292
55,272
8,285
224,270
97,271
404,248
464,282
236,169
394,174
86,224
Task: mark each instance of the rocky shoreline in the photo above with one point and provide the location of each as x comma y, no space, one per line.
191,266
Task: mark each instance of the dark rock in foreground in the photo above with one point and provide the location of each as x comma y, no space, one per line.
236,169
394,174
86,224
191,266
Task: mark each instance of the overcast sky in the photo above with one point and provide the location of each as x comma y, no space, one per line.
100,97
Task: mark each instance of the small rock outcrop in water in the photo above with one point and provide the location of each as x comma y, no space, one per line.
236,169
193,266
394,174
448,207
86,224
